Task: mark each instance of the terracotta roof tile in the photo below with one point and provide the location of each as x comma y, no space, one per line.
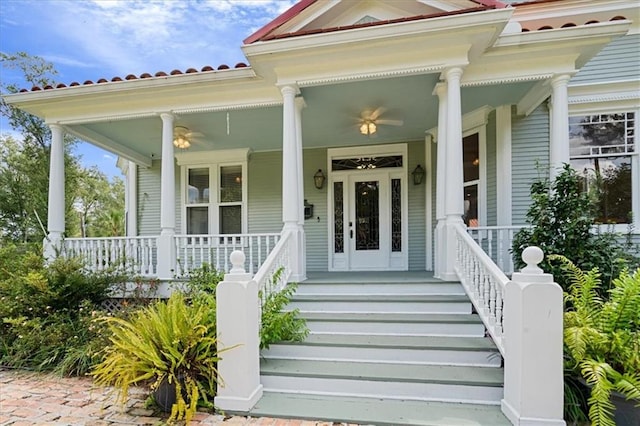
130,77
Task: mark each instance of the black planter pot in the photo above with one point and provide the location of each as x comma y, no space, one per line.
165,394
626,412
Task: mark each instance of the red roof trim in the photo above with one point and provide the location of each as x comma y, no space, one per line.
289,14
534,2
377,23
264,33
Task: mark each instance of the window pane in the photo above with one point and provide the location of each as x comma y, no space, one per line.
197,220
198,188
609,180
231,219
471,205
230,184
396,215
471,157
603,134
338,221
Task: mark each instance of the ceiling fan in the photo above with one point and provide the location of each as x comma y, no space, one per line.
183,137
370,120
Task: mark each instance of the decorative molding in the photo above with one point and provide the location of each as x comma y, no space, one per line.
103,118
210,157
219,108
505,80
476,118
370,76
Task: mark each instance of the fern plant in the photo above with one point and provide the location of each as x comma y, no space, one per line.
602,337
172,341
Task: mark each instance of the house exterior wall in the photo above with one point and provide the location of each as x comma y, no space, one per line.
416,205
148,181
618,61
530,157
491,170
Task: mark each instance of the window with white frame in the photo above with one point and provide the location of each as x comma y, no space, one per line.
215,195
603,152
471,173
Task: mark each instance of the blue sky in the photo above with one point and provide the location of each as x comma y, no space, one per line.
92,39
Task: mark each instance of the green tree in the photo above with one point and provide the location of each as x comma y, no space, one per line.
24,168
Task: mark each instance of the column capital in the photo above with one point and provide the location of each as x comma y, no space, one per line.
560,80
290,89
167,116
300,103
55,126
440,89
452,73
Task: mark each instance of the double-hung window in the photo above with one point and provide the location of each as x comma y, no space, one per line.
603,151
214,194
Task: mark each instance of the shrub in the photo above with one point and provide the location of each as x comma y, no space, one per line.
172,341
562,218
279,325
602,338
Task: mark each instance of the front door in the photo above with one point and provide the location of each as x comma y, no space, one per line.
368,209
368,205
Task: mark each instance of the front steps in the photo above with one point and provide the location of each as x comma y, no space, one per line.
401,349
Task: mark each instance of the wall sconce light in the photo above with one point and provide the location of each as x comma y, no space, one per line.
418,175
318,179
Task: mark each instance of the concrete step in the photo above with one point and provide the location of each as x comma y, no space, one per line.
382,303
441,350
416,324
384,412
390,381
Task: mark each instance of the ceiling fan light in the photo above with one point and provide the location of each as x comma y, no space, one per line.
368,128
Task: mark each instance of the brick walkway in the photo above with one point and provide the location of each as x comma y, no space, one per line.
28,399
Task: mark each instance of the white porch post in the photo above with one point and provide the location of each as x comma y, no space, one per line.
302,260
290,176
533,371
131,199
238,328
441,170
454,181
166,243
559,141
55,208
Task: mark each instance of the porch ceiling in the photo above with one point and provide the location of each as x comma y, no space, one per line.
329,118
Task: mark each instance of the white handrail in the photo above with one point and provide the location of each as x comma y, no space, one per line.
483,282
496,242
274,273
137,255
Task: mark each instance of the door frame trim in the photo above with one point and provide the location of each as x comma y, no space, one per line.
401,261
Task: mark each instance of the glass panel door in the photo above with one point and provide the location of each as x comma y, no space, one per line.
367,223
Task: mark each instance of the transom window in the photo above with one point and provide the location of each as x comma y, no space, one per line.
602,149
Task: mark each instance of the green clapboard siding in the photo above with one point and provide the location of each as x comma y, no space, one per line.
618,61
491,169
316,228
530,157
149,199
416,203
265,192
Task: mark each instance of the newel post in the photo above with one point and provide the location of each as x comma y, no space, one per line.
533,373
238,322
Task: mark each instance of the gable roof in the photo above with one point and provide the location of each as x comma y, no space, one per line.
269,31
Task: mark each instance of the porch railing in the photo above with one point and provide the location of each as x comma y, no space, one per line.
274,273
194,250
137,255
496,242
484,283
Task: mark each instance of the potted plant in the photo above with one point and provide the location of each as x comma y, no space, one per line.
168,344
602,341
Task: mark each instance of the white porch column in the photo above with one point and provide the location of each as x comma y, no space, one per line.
533,371
454,181
290,175
166,243
131,199
55,208
559,141
300,104
441,170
